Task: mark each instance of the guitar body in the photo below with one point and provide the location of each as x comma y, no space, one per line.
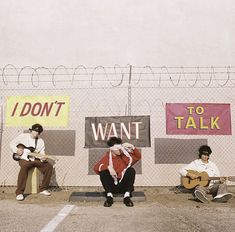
16,157
202,180
22,146
25,155
29,152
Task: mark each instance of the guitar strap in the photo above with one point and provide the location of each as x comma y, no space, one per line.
36,142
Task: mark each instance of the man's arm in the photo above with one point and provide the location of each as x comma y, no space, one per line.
216,173
20,139
136,156
215,169
40,146
102,164
184,171
133,151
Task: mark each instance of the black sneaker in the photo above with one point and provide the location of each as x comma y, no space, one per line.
108,202
128,202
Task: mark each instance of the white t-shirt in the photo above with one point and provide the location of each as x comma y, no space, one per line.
28,141
198,165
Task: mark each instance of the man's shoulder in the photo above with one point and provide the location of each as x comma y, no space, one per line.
23,135
40,140
106,154
196,161
211,162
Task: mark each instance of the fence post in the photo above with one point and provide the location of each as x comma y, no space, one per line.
1,127
129,93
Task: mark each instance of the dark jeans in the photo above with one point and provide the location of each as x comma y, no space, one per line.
126,185
44,167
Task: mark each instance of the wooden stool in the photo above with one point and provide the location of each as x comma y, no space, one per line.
32,184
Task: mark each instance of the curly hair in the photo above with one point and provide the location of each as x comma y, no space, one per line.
113,140
204,150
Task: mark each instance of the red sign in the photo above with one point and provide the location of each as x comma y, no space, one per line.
198,119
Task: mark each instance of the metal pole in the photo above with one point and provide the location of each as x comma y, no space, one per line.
129,92
1,128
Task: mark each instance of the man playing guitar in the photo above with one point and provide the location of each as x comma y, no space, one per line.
218,189
19,147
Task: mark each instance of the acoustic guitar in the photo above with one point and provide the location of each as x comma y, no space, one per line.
202,180
30,152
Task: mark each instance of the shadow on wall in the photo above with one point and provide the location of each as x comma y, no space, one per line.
177,151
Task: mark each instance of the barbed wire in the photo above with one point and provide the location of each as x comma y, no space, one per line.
117,76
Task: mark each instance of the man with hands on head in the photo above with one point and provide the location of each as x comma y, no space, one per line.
116,172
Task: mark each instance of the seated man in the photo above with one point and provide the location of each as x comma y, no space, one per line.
19,147
116,172
218,189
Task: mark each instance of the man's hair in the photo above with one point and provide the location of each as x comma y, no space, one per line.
204,150
37,127
113,140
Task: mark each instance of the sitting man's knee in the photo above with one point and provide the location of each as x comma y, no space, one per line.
131,170
104,173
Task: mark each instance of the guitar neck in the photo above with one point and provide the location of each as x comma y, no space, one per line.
39,155
216,178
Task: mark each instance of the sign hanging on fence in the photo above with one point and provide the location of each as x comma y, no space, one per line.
132,129
46,110
198,119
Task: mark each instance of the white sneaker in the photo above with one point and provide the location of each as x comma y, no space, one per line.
223,197
200,196
20,197
45,192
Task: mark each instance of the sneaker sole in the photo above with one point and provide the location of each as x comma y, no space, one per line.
201,197
45,194
223,199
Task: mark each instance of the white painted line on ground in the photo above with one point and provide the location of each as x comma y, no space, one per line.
50,227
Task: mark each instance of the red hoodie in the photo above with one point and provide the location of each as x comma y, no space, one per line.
120,162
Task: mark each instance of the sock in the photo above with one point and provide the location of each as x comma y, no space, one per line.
109,194
127,194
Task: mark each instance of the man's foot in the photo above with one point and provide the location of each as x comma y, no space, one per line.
20,197
201,197
128,202
108,202
45,193
223,197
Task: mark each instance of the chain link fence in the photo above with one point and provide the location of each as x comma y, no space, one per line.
119,91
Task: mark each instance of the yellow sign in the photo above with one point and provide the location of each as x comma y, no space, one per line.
46,110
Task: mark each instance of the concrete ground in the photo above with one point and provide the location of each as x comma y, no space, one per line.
163,211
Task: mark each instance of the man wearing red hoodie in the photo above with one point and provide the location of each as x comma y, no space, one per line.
116,172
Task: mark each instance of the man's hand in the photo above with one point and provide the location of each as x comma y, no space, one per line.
112,171
128,146
43,159
222,180
20,151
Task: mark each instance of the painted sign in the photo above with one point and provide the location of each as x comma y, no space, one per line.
198,119
132,129
46,110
